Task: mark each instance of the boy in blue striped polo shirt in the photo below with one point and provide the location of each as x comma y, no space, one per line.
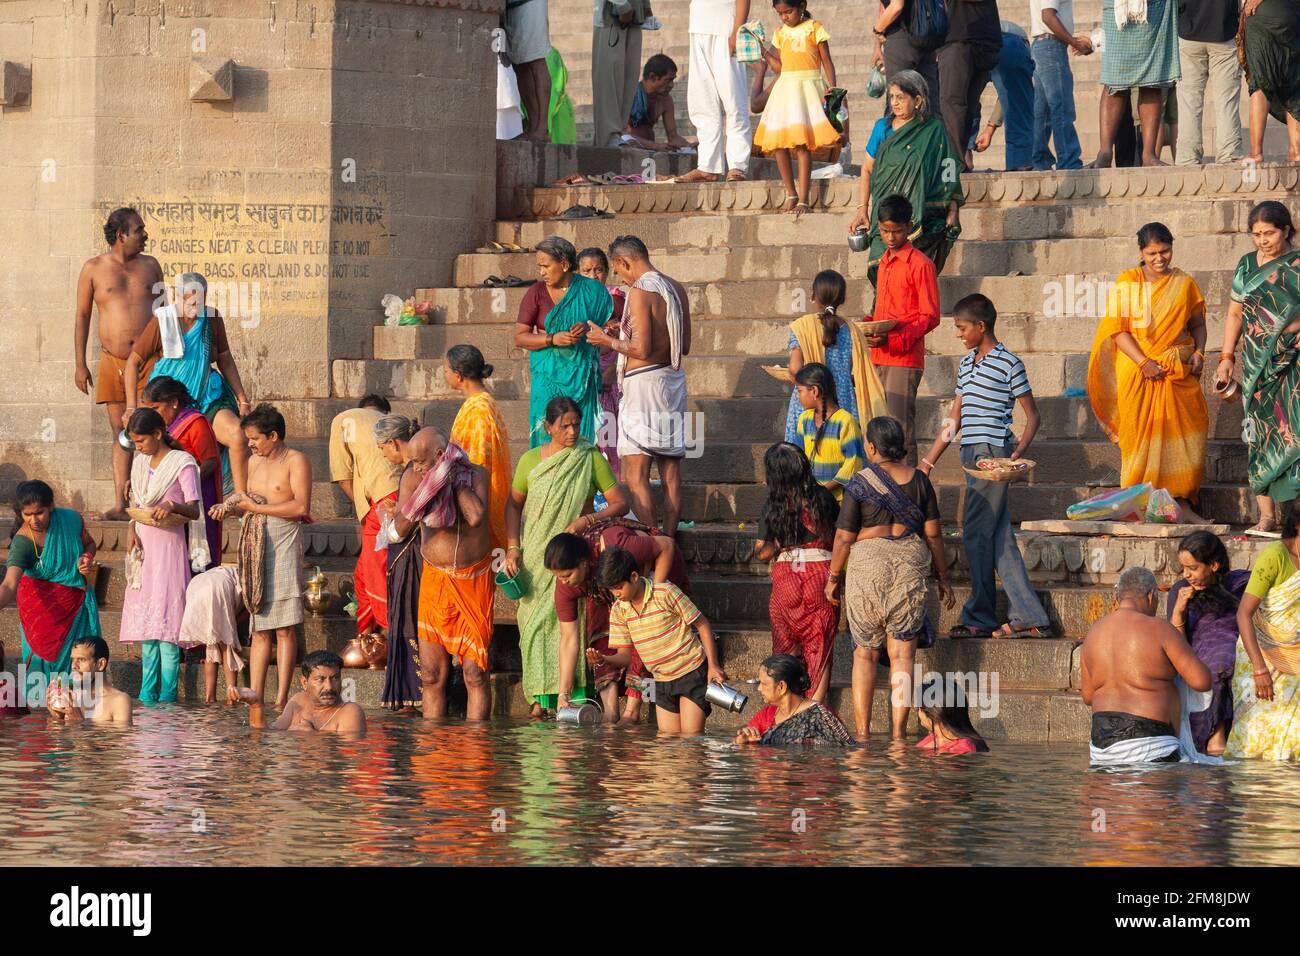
990,381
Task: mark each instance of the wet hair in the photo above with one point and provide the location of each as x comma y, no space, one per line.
615,567
1135,582
560,406
794,499
788,669
914,85
800,5
886,434
146,421
266,419
561,250
98,646
375,401
894,208
565,552
594,252
467,361
952,714
1291,518
629,247
321,659
1208,549
976,307
119,220
658,65
1275,214
164,388
1154,232
829,290
395,428
817,375
30,492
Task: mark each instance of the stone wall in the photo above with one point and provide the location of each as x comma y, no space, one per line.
353,157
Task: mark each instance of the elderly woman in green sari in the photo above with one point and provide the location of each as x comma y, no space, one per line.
1261,316
552,492
552,327
909,154
49,576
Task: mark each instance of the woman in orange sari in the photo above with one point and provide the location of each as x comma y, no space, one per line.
1144,374
479,430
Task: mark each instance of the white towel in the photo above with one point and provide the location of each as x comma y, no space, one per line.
169,328
1130,11
656,283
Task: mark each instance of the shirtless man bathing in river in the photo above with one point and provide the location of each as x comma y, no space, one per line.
319,706
1130,660
456,588
123,285
270,546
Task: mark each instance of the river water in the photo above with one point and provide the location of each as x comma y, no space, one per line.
195,785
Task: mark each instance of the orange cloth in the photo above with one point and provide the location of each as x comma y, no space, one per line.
479,430
907,289
456,609
1159,425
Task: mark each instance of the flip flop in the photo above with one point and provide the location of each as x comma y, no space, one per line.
492,247
573,179
962,631
584,212
508,282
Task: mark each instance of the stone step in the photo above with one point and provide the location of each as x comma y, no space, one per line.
1027,715
788,298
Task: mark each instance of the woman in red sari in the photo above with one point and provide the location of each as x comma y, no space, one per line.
48,575
185,423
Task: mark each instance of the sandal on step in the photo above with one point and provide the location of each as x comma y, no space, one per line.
508,282
573,179
801,206
962,631
791,200
1031,631
584,212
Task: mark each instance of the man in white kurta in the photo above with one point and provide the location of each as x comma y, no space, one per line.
716,95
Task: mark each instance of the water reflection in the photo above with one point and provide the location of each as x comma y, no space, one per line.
195,785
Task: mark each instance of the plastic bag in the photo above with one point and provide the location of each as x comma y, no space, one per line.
392,306
1163,509
1124,504
876,83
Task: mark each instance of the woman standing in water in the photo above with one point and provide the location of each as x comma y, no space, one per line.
1203,606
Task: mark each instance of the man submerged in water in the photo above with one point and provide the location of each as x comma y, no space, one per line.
82,701
319,706
1130,661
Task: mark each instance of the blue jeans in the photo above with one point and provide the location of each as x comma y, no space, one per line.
1054,106
990,543
160,666
1013,78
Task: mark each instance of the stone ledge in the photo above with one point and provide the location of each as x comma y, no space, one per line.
484,6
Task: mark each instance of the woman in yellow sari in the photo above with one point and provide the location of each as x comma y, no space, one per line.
479,430
1266,677
828,339
1144,374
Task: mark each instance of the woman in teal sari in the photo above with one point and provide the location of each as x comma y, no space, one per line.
1265,300
48,575
552,492
217,392
909,154
552,326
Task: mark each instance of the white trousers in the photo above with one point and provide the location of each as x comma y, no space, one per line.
718,104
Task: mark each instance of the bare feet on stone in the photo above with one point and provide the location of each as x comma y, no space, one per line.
1101,162
117,514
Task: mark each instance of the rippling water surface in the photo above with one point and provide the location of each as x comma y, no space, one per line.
194,785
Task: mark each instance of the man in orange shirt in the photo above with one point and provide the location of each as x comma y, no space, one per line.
907,289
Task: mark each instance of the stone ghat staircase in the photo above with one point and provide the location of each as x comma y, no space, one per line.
850,23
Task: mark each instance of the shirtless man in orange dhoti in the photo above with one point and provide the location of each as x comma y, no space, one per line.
124,285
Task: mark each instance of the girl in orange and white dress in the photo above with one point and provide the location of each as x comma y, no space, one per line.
794,119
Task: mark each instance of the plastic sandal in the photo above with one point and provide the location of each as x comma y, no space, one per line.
962,631
584,212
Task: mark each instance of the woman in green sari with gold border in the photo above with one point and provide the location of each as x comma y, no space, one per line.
552,327
915,160
1263,316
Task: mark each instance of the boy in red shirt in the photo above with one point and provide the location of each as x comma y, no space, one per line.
907,289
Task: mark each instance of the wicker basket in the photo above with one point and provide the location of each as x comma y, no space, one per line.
145,516
779,372
878,327
1003,469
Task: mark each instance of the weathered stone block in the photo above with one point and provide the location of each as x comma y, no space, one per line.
212,79
15,83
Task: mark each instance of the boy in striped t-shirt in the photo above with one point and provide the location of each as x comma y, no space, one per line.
655,617
990,381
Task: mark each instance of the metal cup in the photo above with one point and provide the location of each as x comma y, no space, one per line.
124,440
728,698
858,240
584,713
